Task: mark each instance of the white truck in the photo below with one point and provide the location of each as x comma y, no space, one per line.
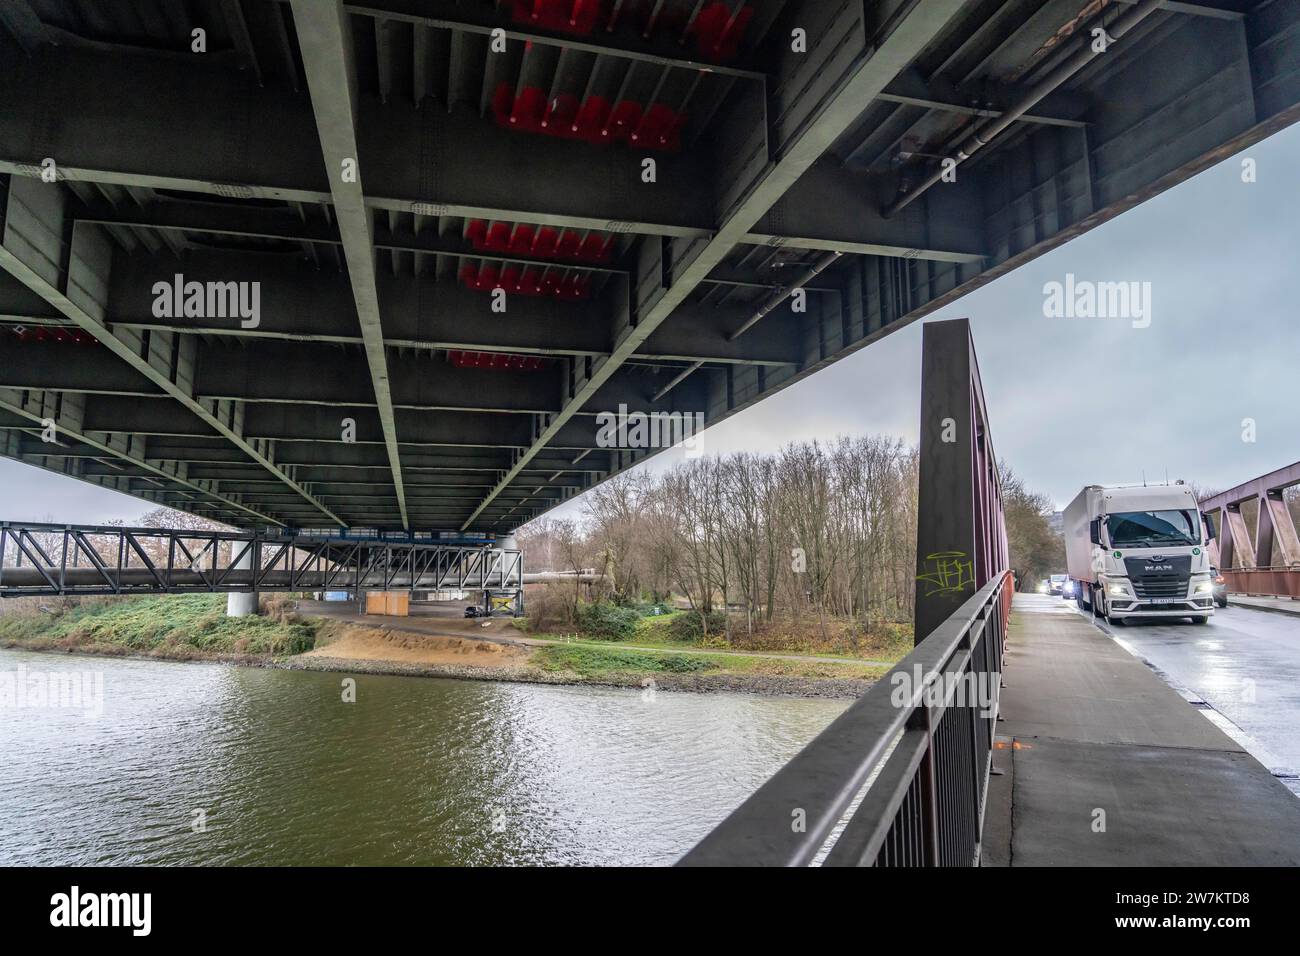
1139,552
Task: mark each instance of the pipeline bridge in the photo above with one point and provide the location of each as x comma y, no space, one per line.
392,268
384,266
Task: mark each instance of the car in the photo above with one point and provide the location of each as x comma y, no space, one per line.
474,611
1220,588
1068,589
1056,583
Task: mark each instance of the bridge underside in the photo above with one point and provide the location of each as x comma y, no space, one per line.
379,170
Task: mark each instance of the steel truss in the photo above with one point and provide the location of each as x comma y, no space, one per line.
53,559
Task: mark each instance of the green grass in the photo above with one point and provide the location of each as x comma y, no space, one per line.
590,660
890,643
179,624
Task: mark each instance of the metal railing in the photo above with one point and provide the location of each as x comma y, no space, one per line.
901,777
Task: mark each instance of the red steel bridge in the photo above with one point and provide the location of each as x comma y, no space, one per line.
1264,560
380,266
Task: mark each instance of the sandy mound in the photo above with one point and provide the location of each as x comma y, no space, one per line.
350,642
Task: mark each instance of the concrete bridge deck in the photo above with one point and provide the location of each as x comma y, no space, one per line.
1088,728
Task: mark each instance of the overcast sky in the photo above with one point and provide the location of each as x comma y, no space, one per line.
1071,401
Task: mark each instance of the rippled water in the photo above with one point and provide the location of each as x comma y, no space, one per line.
416,771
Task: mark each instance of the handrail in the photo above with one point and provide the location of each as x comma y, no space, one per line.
923,748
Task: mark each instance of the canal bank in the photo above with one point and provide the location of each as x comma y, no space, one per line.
185,628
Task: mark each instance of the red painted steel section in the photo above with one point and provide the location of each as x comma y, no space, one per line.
529,280
1236,548
1263,582
53,333
576,17
541,242
527,363
716,31
593,120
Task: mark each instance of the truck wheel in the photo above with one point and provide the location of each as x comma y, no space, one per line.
1199,619
1099,608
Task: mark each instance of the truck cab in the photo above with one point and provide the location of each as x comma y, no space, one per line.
1140,552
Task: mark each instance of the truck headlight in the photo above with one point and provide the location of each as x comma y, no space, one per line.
1116,588
1204,587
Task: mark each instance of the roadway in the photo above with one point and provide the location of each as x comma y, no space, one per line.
1103,762
1242,668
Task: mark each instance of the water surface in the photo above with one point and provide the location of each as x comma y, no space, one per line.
416,771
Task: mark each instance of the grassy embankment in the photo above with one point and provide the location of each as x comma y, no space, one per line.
608,654
194,627
178,626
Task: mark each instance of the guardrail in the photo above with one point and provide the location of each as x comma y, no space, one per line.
901,777
1263,582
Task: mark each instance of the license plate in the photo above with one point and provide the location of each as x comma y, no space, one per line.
1164,600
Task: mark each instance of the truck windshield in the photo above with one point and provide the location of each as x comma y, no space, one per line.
1139,529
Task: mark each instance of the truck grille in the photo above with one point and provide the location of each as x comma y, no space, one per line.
1160,586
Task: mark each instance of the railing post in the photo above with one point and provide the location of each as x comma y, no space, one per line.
930,788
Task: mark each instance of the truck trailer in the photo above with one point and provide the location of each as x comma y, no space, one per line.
1139,552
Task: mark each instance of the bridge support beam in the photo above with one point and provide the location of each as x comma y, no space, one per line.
961,538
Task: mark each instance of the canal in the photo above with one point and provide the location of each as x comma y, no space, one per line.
209,764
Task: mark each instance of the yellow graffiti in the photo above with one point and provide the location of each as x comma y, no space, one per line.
948,572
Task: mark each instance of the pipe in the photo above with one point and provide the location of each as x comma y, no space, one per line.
676,380
784,292
242,578
982,134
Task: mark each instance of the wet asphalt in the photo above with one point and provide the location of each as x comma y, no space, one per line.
1242,666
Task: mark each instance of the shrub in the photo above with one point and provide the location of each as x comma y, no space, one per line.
607,621
550,608
689,627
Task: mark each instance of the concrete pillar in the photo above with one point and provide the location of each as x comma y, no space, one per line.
241,603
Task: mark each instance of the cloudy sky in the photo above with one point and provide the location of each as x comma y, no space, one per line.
1071,401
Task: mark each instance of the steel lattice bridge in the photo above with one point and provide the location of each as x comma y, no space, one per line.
47,559
383,265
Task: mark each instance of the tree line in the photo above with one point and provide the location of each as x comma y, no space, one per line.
821,529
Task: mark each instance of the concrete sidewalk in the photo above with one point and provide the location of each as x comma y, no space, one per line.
1091,735
1279,604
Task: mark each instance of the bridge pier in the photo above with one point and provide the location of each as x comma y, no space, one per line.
242,603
